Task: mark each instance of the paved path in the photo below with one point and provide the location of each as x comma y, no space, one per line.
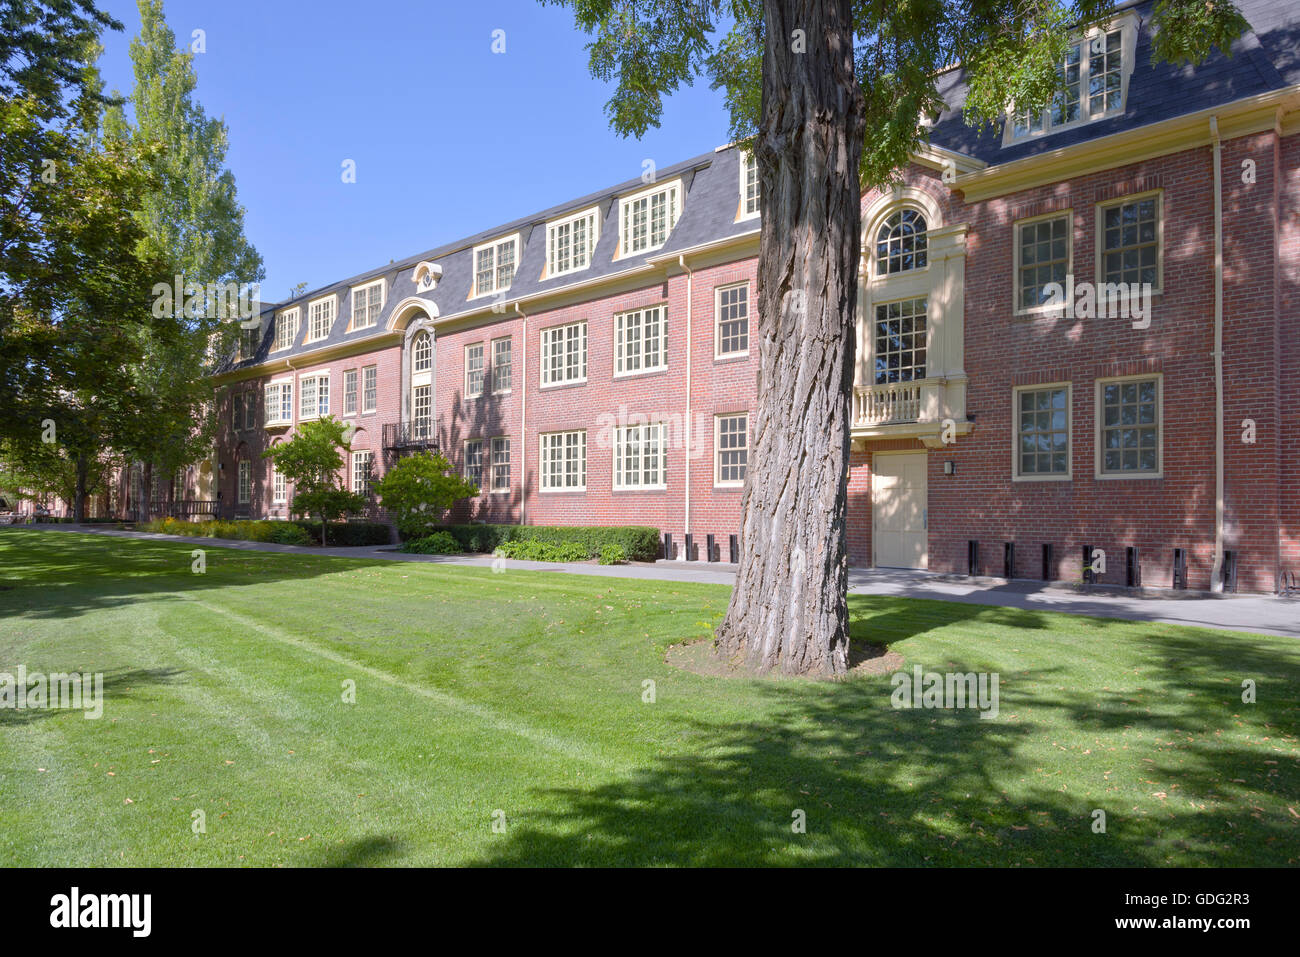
1264,614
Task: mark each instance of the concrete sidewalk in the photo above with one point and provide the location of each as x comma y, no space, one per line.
1263,614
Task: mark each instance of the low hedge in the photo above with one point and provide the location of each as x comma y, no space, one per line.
439,543
639,542
344,534
280,533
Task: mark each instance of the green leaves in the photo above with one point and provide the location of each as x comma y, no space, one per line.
418,489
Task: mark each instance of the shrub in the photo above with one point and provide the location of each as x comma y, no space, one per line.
535,551
639,542
281,533
419,489
612,554
439,543
350,534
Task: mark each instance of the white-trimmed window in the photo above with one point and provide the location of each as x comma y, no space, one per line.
362,459
1043,247
237,411
250,409
350,392
314,395
474,462
570,242
369,388
320,318
249,341
279,487
1041,445
749,185
1129,417
731,445
367,303
640,340
501,464
494,265
474,370
901,242
422,412
641,456
286,328
563,461
731,318
502,365
245,489
1129,241
646,218
279,403
422,352
564,354
900,341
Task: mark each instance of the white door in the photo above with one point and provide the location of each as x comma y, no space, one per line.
898,510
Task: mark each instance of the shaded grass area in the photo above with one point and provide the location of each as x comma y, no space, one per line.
520,698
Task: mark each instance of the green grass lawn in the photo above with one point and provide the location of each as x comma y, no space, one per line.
522,692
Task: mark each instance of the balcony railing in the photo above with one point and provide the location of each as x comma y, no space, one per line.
415,434
887,404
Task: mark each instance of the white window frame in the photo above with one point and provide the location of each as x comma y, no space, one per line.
279,487
673,187
498,489
560,333
287,320
1099,218
748,160
622,437
717,449
466,471
354,393
495,366
1068,216
284,394
365,288
1099,428
495,245
366,410
1068,474
359,456
717,320
322,374
622,357
327,304
592,215
244,482
544,444
482,369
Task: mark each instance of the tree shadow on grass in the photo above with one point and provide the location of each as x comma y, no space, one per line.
374,850
118,684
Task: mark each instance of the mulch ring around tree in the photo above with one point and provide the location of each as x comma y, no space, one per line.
696,656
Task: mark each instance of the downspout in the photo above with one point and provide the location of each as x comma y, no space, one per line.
686,425
1216,583
523,421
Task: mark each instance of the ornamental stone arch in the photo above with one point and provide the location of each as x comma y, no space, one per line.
415,316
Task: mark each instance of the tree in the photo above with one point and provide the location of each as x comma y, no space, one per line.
312,460
419,489
803,79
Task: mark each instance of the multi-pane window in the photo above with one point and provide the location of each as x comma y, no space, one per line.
369,388
501,464
502,373
474,462
901,242
564,461
474,370
639,340
900,336
350,392
422,353
250,410
421,412
749,189
649,217
1130,241
1044,253
249,340
1092,74
245,490
1105,73
367,301
313,396
1129,411
564,354
1043,432
279,403
362,459
570,243
641,456
279,488
320,317
237,410
494,266
731,442
286,328
732,312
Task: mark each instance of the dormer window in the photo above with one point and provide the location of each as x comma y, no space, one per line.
367,301
286,328
320,318
901,242
494,265
748,185
426,276
648,217
570,242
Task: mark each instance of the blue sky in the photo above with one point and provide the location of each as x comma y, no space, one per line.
448,137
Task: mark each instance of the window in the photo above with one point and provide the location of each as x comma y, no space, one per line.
900,336
564,354
494,266
1042,258
474,370
1042,440
639,341
320,317
367,301
279,403
564,461
501,365
422,352
250,410
286,329
421,412
641,456
314,396
501,464
731,440
731,315
1129,241
279,488
474,462
1094,73
237,410
361,462
249,340
369,388
245,491
570,243
1129,414
749,195
350,392
901,242
648,217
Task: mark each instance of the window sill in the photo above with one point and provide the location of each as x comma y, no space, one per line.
730,356
657,370
1042,478
728,486
563,491
639,488
561,385
1124,477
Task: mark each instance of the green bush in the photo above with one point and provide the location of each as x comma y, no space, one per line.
439,543
281,533
350,534
612,555
535,551
639,542
418,490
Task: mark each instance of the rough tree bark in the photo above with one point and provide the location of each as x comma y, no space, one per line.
789,608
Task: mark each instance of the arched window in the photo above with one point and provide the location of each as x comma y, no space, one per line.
422,350
900,242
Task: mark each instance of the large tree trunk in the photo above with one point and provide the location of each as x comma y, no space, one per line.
789,608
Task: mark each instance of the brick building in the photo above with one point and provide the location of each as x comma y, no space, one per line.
594,363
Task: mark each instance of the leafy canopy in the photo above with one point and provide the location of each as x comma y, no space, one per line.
419,489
